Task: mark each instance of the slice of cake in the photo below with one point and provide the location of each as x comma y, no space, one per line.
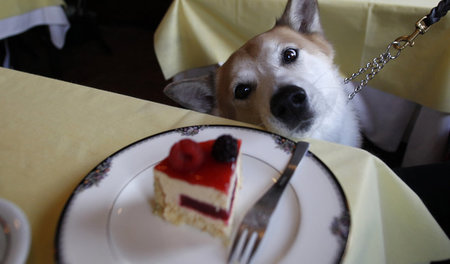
197,182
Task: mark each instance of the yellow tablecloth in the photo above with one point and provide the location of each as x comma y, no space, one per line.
201,32
10,8
53,133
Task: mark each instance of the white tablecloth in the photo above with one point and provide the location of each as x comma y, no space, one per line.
53,133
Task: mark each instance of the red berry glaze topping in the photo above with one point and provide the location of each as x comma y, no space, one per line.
210,173
185,156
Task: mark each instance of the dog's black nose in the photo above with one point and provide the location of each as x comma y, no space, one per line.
290,105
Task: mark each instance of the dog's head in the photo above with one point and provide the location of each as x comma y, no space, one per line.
283,79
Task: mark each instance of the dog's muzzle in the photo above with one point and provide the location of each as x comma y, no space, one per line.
290,105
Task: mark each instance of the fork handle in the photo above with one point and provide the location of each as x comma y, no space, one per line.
271,197
300,150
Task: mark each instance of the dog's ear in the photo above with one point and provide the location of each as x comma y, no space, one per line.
194,93
301,16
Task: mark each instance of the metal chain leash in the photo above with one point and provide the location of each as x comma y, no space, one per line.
375,66
397,45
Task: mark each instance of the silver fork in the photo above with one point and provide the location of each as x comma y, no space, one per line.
256,220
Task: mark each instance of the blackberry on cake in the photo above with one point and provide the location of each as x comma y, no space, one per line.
196,184
225,149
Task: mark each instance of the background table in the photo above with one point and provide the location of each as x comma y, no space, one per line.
196,33
17,16
53,133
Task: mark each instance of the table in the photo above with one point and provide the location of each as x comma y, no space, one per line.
53,133
17,16
410,96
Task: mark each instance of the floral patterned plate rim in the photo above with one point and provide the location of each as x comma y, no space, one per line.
109,219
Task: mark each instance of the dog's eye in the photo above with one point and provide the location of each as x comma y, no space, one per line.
242,91
289,55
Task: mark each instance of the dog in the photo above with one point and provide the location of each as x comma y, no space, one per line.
283,79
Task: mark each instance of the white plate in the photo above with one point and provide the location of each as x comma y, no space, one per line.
108,218
14,233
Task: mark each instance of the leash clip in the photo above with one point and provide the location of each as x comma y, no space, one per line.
408,40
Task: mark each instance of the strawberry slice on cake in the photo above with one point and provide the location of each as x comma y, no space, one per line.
196,184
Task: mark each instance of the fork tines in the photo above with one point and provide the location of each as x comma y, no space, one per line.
245,245
254,224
